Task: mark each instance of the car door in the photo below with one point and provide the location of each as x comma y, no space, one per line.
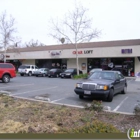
122,81
33,68
117,83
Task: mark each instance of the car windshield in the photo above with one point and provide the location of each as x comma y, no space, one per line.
69,70
102,75
24,67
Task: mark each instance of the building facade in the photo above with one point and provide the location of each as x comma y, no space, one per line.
105,54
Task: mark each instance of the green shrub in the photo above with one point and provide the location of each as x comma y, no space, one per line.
95,105
80,76
137,111
94,127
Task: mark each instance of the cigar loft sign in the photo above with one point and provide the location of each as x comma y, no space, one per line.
83,52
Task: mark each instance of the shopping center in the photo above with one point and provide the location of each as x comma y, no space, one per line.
104,54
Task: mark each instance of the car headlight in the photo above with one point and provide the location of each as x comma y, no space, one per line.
79,85
104,87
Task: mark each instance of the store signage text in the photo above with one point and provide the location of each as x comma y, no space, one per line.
83,52
126,51
55,53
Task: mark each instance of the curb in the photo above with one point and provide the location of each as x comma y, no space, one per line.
4,92
42,98
47,100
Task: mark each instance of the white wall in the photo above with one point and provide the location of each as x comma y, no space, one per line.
137,65
29,61
71,63
98,52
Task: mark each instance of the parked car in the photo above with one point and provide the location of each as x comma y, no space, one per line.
69,73
103,84
55,72
7,71
41,72
93,70
27,70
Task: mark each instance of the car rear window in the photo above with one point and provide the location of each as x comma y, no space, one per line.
6,66
69,70
53,69
24,67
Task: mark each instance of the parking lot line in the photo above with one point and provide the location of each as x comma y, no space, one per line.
120,104
57,100
18,85
33,91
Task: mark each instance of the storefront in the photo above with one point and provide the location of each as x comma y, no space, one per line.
126,64
105,55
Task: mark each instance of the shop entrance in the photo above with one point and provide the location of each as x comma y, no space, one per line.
51,63
126,65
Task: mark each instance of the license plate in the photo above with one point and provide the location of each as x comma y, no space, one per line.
87,92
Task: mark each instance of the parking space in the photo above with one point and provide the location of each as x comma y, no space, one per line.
61,91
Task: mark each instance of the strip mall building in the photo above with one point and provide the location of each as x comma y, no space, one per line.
120,53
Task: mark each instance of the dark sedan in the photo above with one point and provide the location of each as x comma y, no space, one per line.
69,73
103,84
54,72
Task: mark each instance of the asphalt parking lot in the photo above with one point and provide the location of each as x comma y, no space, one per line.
61,91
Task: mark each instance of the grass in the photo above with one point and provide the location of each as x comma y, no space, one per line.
24,116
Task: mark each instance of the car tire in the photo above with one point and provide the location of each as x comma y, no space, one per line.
30,73
124,90
22,74
36,75
71,76
81,96
110,96
6,78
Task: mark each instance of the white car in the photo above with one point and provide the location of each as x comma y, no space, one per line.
27,69
41,72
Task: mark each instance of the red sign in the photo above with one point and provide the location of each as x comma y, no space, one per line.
79,52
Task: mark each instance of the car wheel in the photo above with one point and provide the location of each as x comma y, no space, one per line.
124,90
44,75
36,75
22,74
30,73
6,78
81,96
110,96
71,76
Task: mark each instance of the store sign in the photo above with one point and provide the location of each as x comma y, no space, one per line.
55,53
83,52
124,51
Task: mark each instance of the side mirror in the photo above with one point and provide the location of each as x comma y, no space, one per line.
117,80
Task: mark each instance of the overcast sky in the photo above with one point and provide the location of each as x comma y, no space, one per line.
118,19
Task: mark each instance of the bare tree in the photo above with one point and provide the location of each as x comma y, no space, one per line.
34,43
75,28
7,30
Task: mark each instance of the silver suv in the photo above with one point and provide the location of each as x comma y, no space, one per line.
27,69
